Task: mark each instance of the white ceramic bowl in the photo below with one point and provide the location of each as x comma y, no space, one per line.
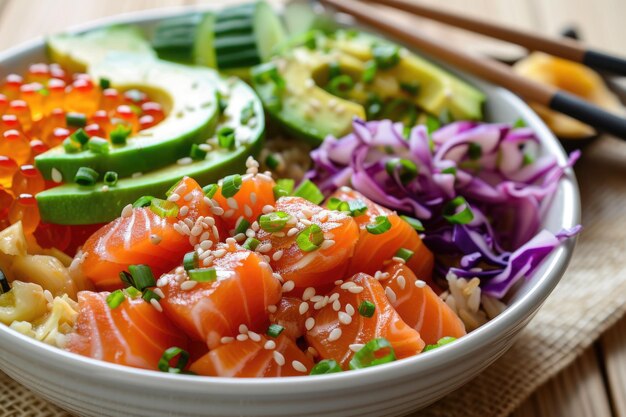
93,388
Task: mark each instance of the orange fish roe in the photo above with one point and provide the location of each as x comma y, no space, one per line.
41,109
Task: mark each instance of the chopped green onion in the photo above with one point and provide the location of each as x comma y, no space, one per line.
275,330
449,170
242,226
310,40
98,145
231,185
519,123
226,137
190,260
168,355
69,146
110,178
370,354
104,83
410,88
475,151
432,124
326,366
119,134
367,308
310,238
132,292
404,253
76,119
150,295
309,191
164,208
268,72
369,73
283,187
247,113
203,274
357,207
86,176
272,162
443,341
210,190
274,222
452,213
386,56
340,85
222,103
127,279
251,243
373,106
334,70
405,168
196,153
338,204
80,136
142,276
143,201
528,159
381,225
414,223
115,299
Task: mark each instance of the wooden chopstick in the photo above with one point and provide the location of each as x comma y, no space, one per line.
488,69
564,48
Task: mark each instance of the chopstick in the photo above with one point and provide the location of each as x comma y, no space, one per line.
564,48
488,69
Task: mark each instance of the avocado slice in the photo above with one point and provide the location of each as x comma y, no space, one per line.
188,96
297,93
75,204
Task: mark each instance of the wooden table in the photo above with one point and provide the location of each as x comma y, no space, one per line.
595,385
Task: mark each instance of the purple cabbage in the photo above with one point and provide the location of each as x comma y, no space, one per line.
492,166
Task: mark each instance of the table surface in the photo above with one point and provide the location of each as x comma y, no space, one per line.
594,385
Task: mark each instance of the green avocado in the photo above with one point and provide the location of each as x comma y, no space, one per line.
75,204
318,84
189,98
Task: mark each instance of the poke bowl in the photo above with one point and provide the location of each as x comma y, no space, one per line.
117,294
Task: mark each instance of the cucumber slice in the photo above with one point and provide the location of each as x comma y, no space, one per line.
186,39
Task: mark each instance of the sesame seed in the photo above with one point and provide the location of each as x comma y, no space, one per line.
219,253
278,276
247,210
216,232
196,230
279,234
344,318
156,305
339,282
159,292
333,297
420,284
316,298
356,290
308,293
347,285
289,286
229,213
255,226
127,211
269,345
279,358
309,323
272,308
227,339
206,244
307,212
268,209
264,265
298,366
335,334
155,239
255,337
232,203
306,222
264,247
277,255
292,231
265,177
240,237
188,197
184,210
104,188
327,244
319,305
253,198
401,281
231,241
184,161
304,307
312,351
217,211
56,175
390,295
187,285
336,305
398,259
355,347
204,237
242,337
250,233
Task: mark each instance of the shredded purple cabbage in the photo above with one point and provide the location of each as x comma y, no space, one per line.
492,166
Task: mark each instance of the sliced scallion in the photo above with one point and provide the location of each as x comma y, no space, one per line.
458,211
110,178
310,238
142,276
231,185
75,119
196,153
449,170
268,72
69,146
357,207
98,145
375,352
143,201
164,208
272,162
474,151
334,70
203,274
414,223
326,366
309,191
104,83
275,330
210,190
115,299
273,222
226,137
519,123
338,204
132,292
168,355
127,279
404,253
411,88
251,243
80,136
381,225
86,176
386,56
369,72
432,124
150,295
443,341
340,85
247,113
190,260
242,226
119,134
283,187
367,308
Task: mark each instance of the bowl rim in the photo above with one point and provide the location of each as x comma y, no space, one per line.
514,315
